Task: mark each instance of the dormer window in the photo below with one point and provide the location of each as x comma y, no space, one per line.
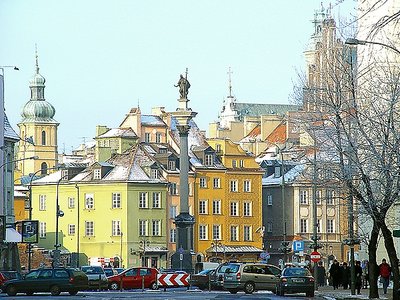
162,150
171,165
97,174
208,160
158,137
154,174
64,174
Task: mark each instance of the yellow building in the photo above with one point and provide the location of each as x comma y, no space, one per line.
38,130
228,202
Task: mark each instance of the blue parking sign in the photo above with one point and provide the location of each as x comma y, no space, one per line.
298,246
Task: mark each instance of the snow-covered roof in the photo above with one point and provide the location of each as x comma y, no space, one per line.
290,176
151,120
119,132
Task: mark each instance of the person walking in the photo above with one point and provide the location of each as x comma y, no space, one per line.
345,274
334,273
358,272
321,280
385,271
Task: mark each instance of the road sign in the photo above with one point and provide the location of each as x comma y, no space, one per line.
169,280
265,255
315,256
396,233
298,246
180,250
180,256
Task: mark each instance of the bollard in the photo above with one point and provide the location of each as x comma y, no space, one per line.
209,281
99,282
120,283
142,283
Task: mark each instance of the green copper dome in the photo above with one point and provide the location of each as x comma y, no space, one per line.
37,109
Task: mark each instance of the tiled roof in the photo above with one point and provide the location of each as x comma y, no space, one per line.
254,134
9,131
119,132
278,135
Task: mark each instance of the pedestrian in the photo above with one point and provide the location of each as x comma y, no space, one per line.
345,275
321,280
334,273
384,273
365,277
358,273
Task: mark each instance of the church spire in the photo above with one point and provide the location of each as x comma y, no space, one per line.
37,60
230,82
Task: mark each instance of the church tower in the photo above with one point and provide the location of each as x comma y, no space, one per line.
39,126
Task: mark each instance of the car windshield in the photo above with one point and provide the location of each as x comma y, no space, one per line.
296,272
93,270
205,272
231,269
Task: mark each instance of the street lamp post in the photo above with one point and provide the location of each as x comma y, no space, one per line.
59,213
143,245
215,244
355,42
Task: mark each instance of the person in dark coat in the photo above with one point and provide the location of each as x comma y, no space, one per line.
334,273
345,275
321,275
358,271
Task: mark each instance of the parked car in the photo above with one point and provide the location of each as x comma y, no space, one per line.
133,278
201,280
8,275
119,270
55,281
250,277
110,272
217,276
295,280
97,277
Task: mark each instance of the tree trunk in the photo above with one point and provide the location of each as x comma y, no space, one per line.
394,262
372,265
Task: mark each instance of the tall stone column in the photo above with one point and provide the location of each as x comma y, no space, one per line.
182,258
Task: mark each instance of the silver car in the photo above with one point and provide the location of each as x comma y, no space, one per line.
97,277
250,277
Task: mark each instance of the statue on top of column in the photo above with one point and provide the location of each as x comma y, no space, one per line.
184,86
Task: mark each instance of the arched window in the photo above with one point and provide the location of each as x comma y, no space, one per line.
43,168
43,137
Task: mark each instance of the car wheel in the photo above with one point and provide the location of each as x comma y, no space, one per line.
29,293
249,288
55,290
233,291
11,290
73,293
114,286
154,286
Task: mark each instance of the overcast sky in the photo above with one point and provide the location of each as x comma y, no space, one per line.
100,58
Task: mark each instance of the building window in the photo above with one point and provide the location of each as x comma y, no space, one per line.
330,226
172,235
97,174
216,232
172,211
157,200
269,200
247,186
64,174
89,201
216,183
203,232
158,137
71,202
143,200
116,200
154,174
216,207
269,227
234,233
147,137
233,184
330,197
43,168
247,233
203,207
156,227
277,172
203,182
318,197
116,228
42,229
247,209
42,202
303,225
71,229
208,161
89,228
171,165
234,164
303,197
218,148
173,189
234,209
143,227
241,163
43,138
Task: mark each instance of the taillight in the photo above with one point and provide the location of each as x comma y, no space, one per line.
283,279
71,280
238,275
312,279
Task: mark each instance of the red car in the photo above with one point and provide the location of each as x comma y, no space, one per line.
134,278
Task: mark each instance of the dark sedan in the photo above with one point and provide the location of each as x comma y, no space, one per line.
54,281
201,279
296,280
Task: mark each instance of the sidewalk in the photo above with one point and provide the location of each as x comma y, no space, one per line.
329,293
